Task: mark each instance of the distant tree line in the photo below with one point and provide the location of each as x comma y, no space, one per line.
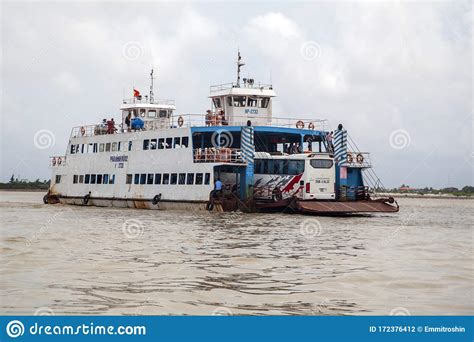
25,184
465,191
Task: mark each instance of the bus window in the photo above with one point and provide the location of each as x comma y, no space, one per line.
295,167
321,163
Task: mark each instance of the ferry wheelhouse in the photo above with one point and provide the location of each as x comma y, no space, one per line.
157,159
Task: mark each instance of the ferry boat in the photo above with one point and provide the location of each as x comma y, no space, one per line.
236,156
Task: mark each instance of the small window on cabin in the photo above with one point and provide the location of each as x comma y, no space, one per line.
99,179
153,144
142,113
252,101
166,178
73,149
152,113
112,179
169,142
95,148
321,163
184,141
199,178
107,147
146,144
81,179
149,178
87,179
163,114
114,147
128,179
106,179
58,179
161,143
264,102
74,179
101,147
143,178
239,101
182,178
136,179
130,145
207,178
157,178
176,142
229,101
82,148
217,102
174,178
93,179
190,179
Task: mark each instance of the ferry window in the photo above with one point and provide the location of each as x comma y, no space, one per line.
295,167
114,147
152,113
130,145
87,179
73,149
101,147
163,114
252,101
207,179
74,179
198,178
81,179
176,142
136,179
229,101
321,163
190,179
146,144
142,178
82,148
142,113
169,141
184,141
112,179
93,178
95,148
182,178
128,179
239,101
99,179
217,102
149,179
58,179
166,178
264,102
161,143
153,144
174,178
157,178
107,147
106,179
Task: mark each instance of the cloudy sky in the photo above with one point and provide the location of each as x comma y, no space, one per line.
398,75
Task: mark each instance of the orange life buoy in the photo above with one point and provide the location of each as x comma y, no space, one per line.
54,161
180,121
311,125
350,159
299,124
360,158
83,130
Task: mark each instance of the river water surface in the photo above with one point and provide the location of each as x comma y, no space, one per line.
58,259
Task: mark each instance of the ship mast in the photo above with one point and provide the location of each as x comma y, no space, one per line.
151,86
239,64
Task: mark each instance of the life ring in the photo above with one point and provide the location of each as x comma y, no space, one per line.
45,199
350,159
86,199
59,161
54,161
156,199
299,124
311,125
83,130
360,158
180,121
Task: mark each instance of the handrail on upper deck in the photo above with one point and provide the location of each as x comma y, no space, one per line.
225,86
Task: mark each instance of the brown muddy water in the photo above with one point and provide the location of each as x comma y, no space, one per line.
84,260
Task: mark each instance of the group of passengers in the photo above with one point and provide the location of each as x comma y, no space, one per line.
217,119
293,148
106,127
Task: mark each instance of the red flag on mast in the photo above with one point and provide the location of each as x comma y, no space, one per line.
136,93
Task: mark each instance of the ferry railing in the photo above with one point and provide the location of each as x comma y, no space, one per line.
358,159
147,100
57,161
217,155
226,86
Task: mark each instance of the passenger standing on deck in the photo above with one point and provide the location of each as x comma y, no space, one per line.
111,126
127,121
217,188
329,140
208,117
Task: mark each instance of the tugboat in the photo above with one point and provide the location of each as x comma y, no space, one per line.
236,156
